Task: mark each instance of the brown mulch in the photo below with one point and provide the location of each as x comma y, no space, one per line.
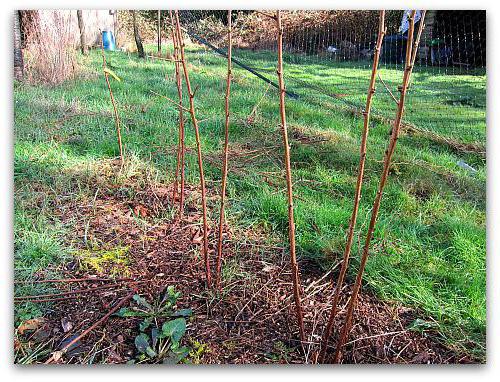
252,319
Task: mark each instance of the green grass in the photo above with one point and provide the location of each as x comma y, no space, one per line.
429,246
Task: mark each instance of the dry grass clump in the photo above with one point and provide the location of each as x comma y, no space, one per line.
50,51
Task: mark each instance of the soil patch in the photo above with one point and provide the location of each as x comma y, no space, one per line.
250,321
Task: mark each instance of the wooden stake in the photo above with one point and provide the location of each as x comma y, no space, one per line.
357,196
115,111
291,223
376,205
226,146
198,144
180,147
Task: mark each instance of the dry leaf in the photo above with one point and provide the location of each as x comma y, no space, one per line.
66,325
29,325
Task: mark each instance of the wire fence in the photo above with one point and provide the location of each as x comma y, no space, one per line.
328,58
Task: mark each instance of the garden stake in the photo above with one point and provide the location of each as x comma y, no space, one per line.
226,144
198,144
181,149
376,205
291,224
117,119
352,224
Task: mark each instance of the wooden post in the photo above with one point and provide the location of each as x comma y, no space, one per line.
286,147
357,195
115,110
198,144
376,205
226,146
180,147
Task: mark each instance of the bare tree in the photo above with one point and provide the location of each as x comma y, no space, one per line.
81,26
18,53
137,37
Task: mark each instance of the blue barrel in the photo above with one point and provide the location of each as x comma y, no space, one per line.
108,40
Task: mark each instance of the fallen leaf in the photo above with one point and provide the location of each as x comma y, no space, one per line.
57,355
198,237
114,357
140,211
30,325
422,357
66,324
42,334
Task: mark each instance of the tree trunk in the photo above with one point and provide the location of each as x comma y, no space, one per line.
137,37
81,26
159,33
18,53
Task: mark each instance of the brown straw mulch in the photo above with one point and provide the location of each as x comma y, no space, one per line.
252,319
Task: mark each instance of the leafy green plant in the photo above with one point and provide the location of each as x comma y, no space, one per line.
198,350
281,353
161,329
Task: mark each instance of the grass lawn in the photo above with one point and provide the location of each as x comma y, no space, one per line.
429,248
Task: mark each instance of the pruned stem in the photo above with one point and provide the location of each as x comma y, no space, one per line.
376,205
417,42
387,88
180,148
226,146
93,326
76,291
115,111
176,103
357,196
198,145
286,147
